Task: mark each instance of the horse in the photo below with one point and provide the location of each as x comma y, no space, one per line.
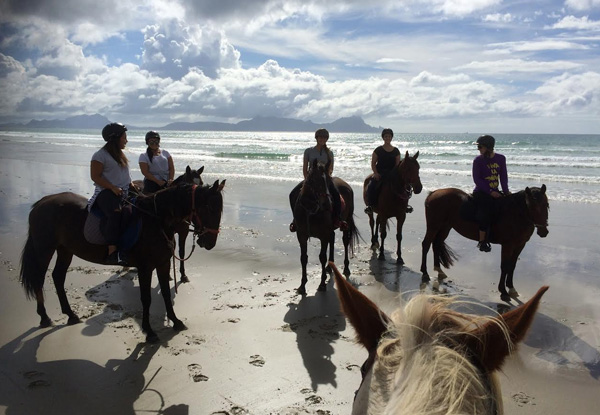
56,224
427,357
519,214
393,201
312,210
193,177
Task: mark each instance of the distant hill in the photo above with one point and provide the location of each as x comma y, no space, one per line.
343,125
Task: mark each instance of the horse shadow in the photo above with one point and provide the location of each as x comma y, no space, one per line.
317,322
76,386
118,297
396,278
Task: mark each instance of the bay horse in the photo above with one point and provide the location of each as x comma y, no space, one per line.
193,177
519,214
428,358
312,209
56,224
392,202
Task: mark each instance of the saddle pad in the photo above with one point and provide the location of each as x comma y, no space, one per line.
95,220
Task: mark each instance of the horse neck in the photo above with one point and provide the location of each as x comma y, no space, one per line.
170,205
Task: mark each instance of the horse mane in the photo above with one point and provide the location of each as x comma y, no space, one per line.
423,353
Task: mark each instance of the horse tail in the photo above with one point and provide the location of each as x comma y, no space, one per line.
354,234
445,254
32,272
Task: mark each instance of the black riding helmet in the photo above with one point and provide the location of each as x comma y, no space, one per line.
321,132
113,131
487,141
387,131
152,134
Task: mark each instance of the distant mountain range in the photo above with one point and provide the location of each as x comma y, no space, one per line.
97,121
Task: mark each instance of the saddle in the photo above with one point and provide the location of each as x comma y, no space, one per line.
130,227
468,211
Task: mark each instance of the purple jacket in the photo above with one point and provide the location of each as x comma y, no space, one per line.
490,173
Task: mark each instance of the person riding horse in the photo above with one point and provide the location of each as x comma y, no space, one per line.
109,170
383,160
489,171
324,156
156,164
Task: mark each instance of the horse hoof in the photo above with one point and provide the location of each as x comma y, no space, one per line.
329,270
346,272
513,293
381,257
435,286
152,338
179,326
184,278
374,246
425,278
45,322
505,297
73,320
301,290
399,261
322,287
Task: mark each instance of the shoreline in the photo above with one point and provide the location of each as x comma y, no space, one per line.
252,343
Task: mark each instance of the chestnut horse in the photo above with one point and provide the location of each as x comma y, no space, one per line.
519,214
312,210
392,202
193,177
428,358
56,224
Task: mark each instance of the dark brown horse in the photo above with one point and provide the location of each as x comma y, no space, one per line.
392,202
519,214
313,217
56,224
193,177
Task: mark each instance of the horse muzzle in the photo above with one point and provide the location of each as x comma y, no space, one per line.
542,231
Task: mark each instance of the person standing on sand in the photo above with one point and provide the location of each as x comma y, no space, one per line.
489,172
156,165
384,159
109,170
323,155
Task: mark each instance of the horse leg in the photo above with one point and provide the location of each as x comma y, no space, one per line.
145,278
438,241
399,224
505,266
374,230
512,292
382,223
182,235
63,260
425,245
303,262
323,260
163,271
331,243
346,237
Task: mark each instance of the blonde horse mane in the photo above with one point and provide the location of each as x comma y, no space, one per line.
423,368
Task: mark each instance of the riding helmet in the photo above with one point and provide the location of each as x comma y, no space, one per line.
322,132
152,134
487,141
113,131
387,131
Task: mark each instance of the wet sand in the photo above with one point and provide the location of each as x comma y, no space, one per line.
253,345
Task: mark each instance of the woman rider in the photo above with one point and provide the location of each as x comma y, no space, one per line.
489,172
323,155
156,164
384,159
109,170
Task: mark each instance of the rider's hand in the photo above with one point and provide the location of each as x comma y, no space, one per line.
495,194
116,190
376,176
161,183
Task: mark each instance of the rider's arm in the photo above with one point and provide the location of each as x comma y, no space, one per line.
96,169
330,164
305,165
504,178
374,162
171,169
146,172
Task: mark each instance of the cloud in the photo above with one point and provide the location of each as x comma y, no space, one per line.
514,66
569,93
572,22
582,4
498,18
533,46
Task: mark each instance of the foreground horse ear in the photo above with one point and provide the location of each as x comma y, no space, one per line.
222,185
491,345
368,320
200,170
543,189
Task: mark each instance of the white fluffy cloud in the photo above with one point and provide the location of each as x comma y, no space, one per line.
582,4
577,23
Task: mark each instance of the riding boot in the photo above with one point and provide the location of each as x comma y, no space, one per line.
293,226
409,209
484,246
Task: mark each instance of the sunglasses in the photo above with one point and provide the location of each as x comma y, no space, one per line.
153,141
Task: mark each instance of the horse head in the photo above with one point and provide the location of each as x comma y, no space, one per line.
408,170
429,358
207,208
537,208
314,195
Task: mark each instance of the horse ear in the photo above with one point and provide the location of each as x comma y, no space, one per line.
222,185
188,170
215,184
490,343
368,320
416,155
406,155
543,188
528,191
200,170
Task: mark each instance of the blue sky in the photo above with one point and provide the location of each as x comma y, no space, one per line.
414,65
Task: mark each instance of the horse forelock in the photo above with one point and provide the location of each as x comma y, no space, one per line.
416,372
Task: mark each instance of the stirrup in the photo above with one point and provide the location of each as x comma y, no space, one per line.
293,227
484,246
369,210
409,209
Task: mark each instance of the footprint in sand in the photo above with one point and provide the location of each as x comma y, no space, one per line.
521,398
195,372
257,360
236,410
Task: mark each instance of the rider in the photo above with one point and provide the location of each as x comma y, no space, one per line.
322,154
109,170
489,172
384,159
156,164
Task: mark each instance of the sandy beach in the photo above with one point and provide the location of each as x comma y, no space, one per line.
253,346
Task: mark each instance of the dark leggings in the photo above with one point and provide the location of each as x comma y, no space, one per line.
485,209
110,205
335,196
151,187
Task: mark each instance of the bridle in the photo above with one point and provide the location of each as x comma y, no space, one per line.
196,220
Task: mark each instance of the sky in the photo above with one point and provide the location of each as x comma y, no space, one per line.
489,66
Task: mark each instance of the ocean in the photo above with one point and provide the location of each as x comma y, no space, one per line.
569,165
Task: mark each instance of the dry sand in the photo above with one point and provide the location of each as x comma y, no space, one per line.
253,346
